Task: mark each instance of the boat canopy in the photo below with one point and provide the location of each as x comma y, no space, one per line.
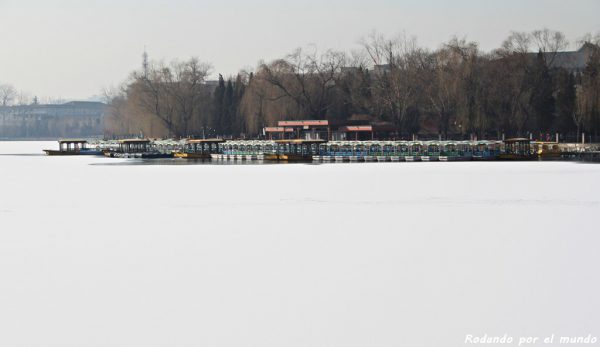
299,142
517,139
133,141
205,141
72,141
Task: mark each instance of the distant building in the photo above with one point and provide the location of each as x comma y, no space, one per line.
299,129
211,85
382,69
572,61
71,119
329,130
349,70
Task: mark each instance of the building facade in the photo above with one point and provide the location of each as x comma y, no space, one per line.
72,119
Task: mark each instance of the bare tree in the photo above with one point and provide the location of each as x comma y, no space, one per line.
171,93
398,69
7,94
24,98
306,79
550,43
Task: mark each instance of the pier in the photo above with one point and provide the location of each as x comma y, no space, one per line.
322,151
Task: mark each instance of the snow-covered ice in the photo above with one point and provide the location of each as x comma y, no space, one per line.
381,254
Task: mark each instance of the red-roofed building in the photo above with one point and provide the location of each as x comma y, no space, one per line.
328,130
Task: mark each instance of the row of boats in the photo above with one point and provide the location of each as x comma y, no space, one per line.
313,150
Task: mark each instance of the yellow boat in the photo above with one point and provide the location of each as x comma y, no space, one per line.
287,157
185,155
545,149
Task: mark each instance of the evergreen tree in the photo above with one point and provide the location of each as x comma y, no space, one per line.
239,90
542,99
590,83
565,101
217,118
226,120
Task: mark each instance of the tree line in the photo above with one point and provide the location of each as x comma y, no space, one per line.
457,91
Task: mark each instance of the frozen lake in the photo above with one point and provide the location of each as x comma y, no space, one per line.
381,254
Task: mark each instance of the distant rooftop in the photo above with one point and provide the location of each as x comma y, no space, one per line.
68,108
573,61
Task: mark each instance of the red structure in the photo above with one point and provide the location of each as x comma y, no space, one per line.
299,129
328,130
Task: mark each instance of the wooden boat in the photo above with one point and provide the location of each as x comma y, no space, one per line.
287,157
517,149
73,147
136,149
545,149
294,150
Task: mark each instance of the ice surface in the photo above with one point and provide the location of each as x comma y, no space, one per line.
381,254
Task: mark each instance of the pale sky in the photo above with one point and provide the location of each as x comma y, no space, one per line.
72,49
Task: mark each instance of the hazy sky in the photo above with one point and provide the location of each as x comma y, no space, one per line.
74,48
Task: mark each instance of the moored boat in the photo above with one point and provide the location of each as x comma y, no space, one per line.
136,149
486,150
546,150
415,151
449,152
433,151
297,150
517,149
199,149
73,147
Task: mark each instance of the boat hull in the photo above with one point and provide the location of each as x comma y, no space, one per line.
192,155
288,157
57,152
510,156
143,155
